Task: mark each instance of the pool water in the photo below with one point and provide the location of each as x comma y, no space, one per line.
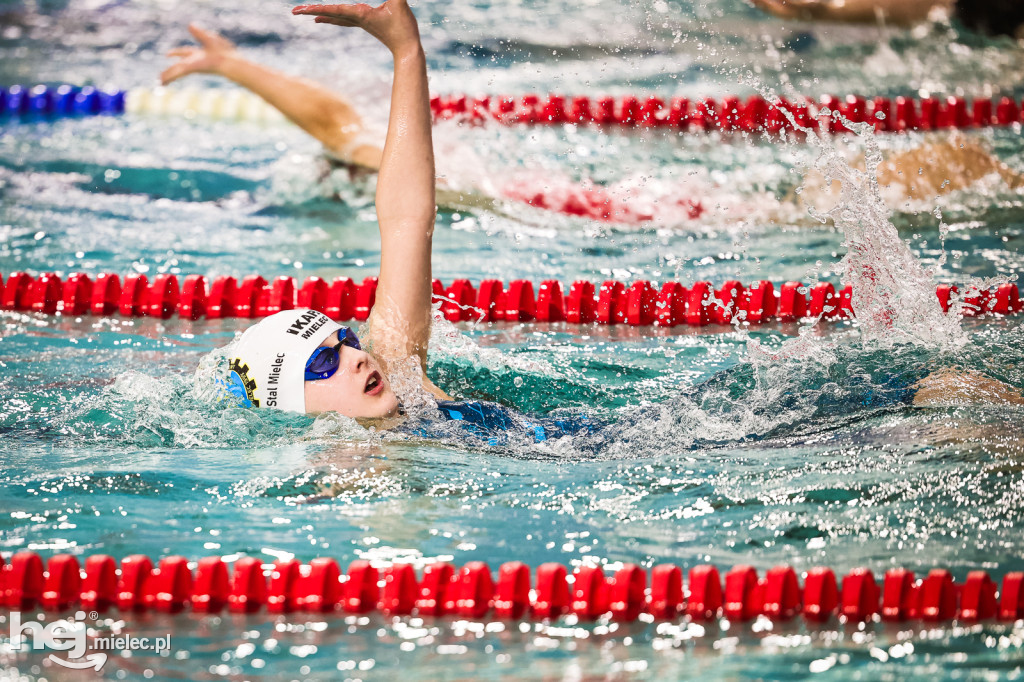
115,444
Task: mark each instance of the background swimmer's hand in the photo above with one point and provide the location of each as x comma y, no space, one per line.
213,51
392,23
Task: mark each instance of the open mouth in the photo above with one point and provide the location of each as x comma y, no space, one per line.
374,384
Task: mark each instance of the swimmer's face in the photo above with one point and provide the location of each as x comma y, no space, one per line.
357,389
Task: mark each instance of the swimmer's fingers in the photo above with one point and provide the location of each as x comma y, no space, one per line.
339,15
176,71
182,52
333,13
209,39
213,50
196,62
334,20
392,23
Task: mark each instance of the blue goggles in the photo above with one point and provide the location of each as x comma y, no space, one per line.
324,361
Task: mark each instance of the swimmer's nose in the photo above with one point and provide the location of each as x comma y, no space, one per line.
353,359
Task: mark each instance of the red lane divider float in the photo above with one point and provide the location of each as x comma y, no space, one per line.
731,114
212,585
637,304
728,113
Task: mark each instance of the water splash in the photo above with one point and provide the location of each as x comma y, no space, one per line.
448,341
893,294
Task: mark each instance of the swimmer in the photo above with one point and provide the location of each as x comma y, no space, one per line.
935,168
350,145
326,116
992,17
302,361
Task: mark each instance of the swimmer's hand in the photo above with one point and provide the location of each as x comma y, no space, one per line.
392,23
213,52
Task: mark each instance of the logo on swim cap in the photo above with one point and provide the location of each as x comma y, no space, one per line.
308,323
241,385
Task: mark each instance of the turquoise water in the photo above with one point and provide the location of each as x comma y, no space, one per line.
114,445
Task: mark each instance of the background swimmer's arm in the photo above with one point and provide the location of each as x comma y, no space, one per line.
944,166
903,12
400,321
320,112
959,387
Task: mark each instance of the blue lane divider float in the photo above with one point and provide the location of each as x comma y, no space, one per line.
59,101
41,102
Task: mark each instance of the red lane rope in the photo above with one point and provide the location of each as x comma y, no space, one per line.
731,114
637,304
208,586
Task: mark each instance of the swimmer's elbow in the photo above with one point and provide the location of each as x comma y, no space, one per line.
425,223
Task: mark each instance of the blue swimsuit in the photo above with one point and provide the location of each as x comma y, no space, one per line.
495,424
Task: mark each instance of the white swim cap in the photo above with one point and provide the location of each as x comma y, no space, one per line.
268,363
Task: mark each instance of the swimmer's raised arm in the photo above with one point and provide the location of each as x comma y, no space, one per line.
323,114
902,12
400,321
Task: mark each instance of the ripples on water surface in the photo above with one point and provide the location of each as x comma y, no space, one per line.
110,447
